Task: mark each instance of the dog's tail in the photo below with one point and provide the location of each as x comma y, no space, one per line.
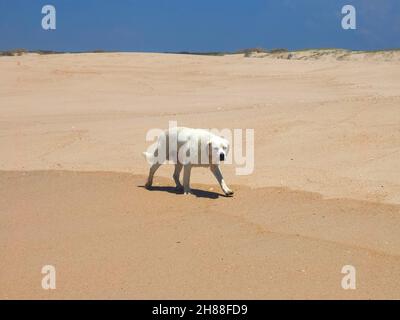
149,157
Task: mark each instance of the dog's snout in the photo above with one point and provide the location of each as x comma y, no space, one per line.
222,157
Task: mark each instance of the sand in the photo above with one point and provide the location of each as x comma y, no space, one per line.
325,191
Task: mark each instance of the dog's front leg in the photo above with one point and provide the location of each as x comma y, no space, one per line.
186,178
218,175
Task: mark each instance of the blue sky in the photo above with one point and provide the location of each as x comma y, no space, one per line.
198,25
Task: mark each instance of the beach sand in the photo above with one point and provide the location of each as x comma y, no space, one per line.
325,191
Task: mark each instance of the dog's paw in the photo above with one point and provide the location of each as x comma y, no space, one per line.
179,189
187,192
147,186
229,193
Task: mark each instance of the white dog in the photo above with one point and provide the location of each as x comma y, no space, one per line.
188,148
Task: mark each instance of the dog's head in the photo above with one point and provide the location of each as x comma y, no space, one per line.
218,149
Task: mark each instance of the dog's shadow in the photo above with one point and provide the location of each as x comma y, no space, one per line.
197,192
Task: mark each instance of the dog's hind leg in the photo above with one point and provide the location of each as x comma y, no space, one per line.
177,172
186,178
153,170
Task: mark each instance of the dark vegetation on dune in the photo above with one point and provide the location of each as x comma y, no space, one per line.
20,52
246,52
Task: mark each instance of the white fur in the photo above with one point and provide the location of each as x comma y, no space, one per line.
172,147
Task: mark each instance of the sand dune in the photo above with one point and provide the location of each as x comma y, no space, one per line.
329,55
325,191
